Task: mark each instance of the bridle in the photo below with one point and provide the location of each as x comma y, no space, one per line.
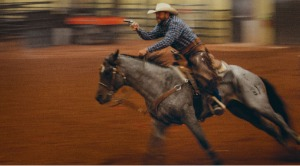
110,87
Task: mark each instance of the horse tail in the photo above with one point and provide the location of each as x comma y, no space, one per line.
275,100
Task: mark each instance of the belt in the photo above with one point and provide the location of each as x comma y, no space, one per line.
193,46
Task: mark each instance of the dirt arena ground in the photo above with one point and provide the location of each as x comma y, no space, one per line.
48,113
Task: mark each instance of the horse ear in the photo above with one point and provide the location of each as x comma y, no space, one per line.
116,54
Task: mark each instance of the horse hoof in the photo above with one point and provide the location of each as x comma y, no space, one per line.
282,141
298,140
217,162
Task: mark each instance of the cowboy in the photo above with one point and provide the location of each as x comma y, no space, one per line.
179,36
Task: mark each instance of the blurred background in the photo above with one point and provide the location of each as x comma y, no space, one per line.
42,23
50,54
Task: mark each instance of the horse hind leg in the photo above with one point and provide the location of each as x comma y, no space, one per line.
263,107
257,100
242,111
279,121
277,104
193,124
275,101
271,130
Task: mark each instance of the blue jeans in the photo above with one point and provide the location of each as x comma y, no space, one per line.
216,93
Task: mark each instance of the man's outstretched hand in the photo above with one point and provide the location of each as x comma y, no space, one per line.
134,26
143,52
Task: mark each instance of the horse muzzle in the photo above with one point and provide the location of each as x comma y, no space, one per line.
102,100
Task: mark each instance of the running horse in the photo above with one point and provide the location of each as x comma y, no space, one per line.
151,78
245,94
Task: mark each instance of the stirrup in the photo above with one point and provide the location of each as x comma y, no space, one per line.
217,107
218,110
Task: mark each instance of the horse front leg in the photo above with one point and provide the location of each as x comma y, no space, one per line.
155,150
192,123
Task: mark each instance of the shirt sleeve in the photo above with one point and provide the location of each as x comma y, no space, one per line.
154,34
173,33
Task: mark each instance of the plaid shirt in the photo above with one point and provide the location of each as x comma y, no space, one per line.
175,32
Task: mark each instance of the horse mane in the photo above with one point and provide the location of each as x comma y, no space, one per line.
155,59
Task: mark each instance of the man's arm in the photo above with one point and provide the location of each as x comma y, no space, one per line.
154,34
173,33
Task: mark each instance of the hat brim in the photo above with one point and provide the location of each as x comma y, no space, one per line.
151,11
175,12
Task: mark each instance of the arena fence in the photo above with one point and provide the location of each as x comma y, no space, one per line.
44,23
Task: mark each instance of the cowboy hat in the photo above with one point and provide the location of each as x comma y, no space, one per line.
163,7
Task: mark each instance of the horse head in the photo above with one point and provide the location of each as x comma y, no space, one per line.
110,78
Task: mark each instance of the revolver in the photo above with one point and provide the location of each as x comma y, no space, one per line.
128,21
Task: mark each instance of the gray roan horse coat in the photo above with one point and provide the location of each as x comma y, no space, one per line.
243,92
